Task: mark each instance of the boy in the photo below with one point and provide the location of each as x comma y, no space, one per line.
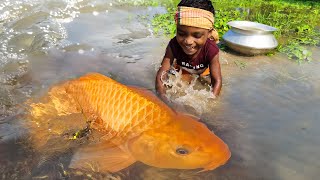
194,46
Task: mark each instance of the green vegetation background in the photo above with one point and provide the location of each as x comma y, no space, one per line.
297,21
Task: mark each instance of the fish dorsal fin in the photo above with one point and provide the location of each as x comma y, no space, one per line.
94,76
101,158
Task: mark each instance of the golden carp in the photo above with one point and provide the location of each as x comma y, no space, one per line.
134,124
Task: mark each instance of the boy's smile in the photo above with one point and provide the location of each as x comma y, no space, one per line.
191,39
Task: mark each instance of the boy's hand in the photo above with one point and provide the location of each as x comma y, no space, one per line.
164,98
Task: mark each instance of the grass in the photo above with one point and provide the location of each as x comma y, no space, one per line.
165,3
298,22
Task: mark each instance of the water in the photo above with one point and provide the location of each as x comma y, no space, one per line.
267,112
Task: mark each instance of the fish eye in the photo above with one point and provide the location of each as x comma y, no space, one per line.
182,151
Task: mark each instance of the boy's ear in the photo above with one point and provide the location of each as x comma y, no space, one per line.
213,35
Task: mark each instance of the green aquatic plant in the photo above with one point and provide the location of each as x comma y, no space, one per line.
163,24
223,17
165,3
296,52
138,2
81,133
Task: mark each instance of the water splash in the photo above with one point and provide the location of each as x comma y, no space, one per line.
194,96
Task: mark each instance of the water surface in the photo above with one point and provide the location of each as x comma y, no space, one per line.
267,112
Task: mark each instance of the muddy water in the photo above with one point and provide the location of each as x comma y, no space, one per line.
267,113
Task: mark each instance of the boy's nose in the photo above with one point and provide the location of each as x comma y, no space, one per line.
188,41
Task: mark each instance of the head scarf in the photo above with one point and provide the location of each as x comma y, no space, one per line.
196,17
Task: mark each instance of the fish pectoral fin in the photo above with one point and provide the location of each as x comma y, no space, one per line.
97,159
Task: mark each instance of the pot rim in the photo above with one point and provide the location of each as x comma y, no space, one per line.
253,27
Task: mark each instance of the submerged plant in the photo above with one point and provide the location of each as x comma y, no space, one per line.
296,52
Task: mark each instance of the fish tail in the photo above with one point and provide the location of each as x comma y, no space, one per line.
56,116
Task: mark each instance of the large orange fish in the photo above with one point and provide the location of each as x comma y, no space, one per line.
133,123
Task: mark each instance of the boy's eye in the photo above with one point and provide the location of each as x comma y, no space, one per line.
198,36
181,33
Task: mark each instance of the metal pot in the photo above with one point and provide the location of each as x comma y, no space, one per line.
250,38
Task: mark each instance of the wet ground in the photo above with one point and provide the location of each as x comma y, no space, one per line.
267,112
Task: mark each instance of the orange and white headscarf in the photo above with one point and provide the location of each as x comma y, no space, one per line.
196,17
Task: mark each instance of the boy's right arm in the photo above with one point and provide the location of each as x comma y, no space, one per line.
164,68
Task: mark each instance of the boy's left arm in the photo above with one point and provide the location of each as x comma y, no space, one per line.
215,73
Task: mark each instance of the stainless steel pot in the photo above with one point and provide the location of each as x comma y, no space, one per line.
250,38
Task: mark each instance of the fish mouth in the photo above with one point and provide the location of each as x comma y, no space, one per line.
213,165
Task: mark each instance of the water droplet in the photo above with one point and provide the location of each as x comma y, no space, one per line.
95,13
80,51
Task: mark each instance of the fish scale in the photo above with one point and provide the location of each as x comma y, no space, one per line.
122,109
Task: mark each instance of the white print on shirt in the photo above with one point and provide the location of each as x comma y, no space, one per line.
200,66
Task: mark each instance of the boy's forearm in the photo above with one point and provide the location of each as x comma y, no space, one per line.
165,66
216,87
160,89
216,78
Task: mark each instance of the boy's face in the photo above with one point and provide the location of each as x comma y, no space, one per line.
191,39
